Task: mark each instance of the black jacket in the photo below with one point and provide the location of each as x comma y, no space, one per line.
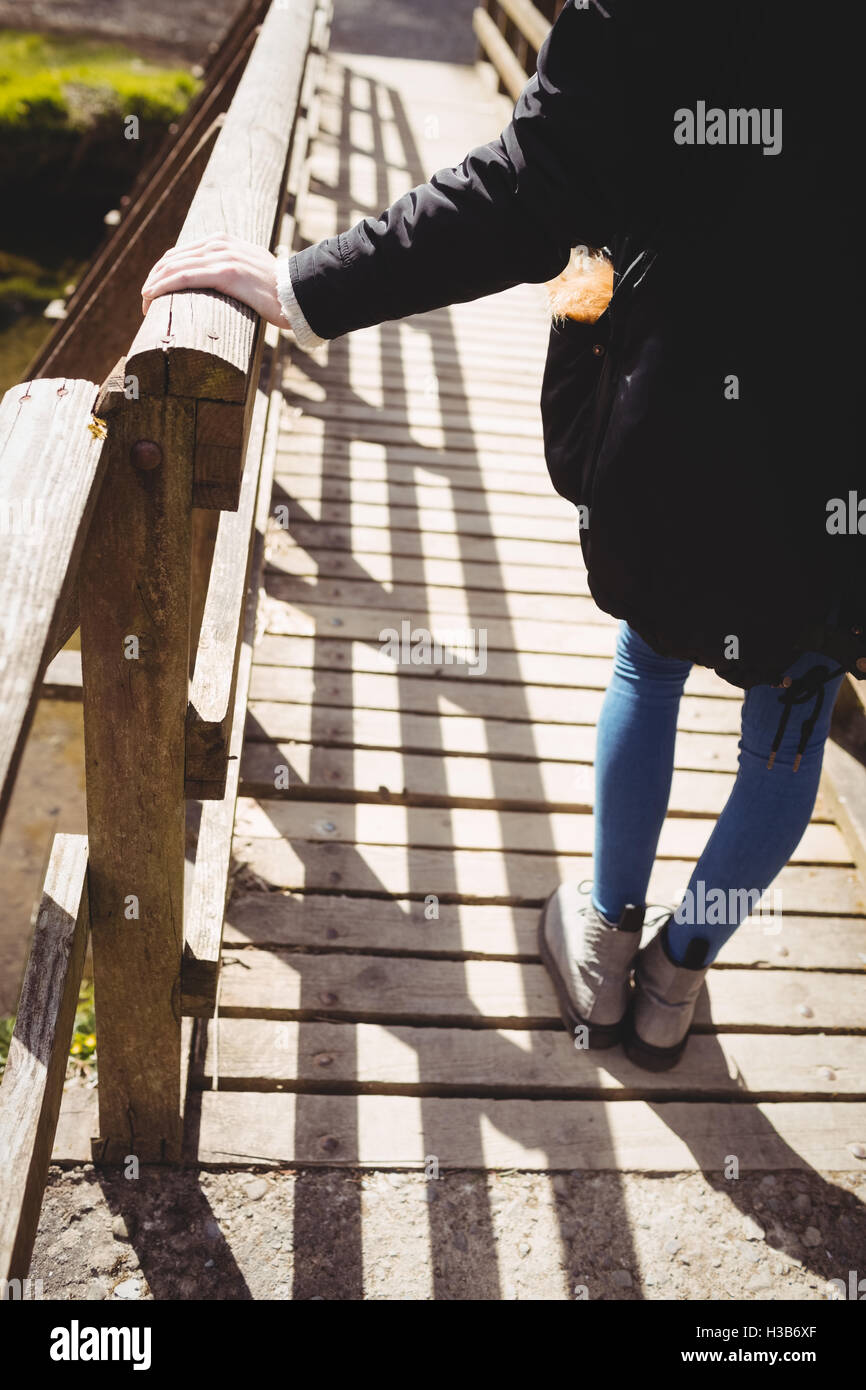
708,499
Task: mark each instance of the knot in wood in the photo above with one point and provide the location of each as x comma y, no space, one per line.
145,454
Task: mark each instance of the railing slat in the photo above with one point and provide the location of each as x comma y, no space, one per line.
33,1082
51,466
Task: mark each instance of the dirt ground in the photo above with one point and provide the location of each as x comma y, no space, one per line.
347,1235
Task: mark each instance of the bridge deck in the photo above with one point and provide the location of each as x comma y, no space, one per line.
355,1027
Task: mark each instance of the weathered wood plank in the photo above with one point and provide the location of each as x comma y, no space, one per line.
135,600
531,703
459,827
502,634
204,924
51,470
33,1081
544,668
510,876
504,994
323,774
541,1135
336,488
258,1054
212,704
404,564
399,926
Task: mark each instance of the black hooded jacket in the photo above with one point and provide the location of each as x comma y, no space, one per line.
707,422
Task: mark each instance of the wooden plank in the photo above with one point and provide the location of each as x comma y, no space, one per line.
33,1080
541,668
51,469
418,598
540,1135
259,1054
203,930
845,786
515,425
315,467
559,531
335,488
212,704
313,440
375,384
399,926
508,876
488,738
419,779
367,625
205,345
534,703
135,589
430,436
494,551
388,566
503,994
459,827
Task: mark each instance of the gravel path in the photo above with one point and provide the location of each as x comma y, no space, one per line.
345,1235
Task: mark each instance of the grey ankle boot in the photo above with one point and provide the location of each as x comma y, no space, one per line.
589,962
663,1006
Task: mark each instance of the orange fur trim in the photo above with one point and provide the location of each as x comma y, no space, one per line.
583,290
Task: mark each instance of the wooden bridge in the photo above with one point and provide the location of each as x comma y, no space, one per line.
313,867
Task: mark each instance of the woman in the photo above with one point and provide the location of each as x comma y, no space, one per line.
701,423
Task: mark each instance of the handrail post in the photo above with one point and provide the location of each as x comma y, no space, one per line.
135,610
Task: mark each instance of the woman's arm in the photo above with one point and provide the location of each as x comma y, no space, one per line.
509,213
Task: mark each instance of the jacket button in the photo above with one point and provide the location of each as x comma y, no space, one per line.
598,349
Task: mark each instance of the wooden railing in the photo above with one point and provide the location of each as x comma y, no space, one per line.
510,33
140,508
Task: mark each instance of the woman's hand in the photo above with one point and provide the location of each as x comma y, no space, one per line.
225,263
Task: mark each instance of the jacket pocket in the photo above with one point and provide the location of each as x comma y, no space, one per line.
572,391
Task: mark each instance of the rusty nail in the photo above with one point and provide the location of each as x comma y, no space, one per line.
324,1059
329,1143
145,454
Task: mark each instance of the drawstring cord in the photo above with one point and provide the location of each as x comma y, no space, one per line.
808,686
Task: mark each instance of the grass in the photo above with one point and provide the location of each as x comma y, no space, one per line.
54,82
65,161
82,1051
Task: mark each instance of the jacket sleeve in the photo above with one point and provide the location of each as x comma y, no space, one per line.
510,212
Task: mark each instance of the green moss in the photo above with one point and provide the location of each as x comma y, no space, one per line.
56,83
82,1055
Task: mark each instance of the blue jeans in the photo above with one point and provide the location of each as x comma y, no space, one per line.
762,821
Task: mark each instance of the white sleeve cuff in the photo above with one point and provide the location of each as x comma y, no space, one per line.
292,310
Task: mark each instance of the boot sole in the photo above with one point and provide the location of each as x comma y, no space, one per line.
651,1058
599,1035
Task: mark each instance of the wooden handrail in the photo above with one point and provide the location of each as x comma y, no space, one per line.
510,55
201,345
51,467
172,432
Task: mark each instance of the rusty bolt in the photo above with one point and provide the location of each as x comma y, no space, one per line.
324,1059
329,1143
145,454
328,997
